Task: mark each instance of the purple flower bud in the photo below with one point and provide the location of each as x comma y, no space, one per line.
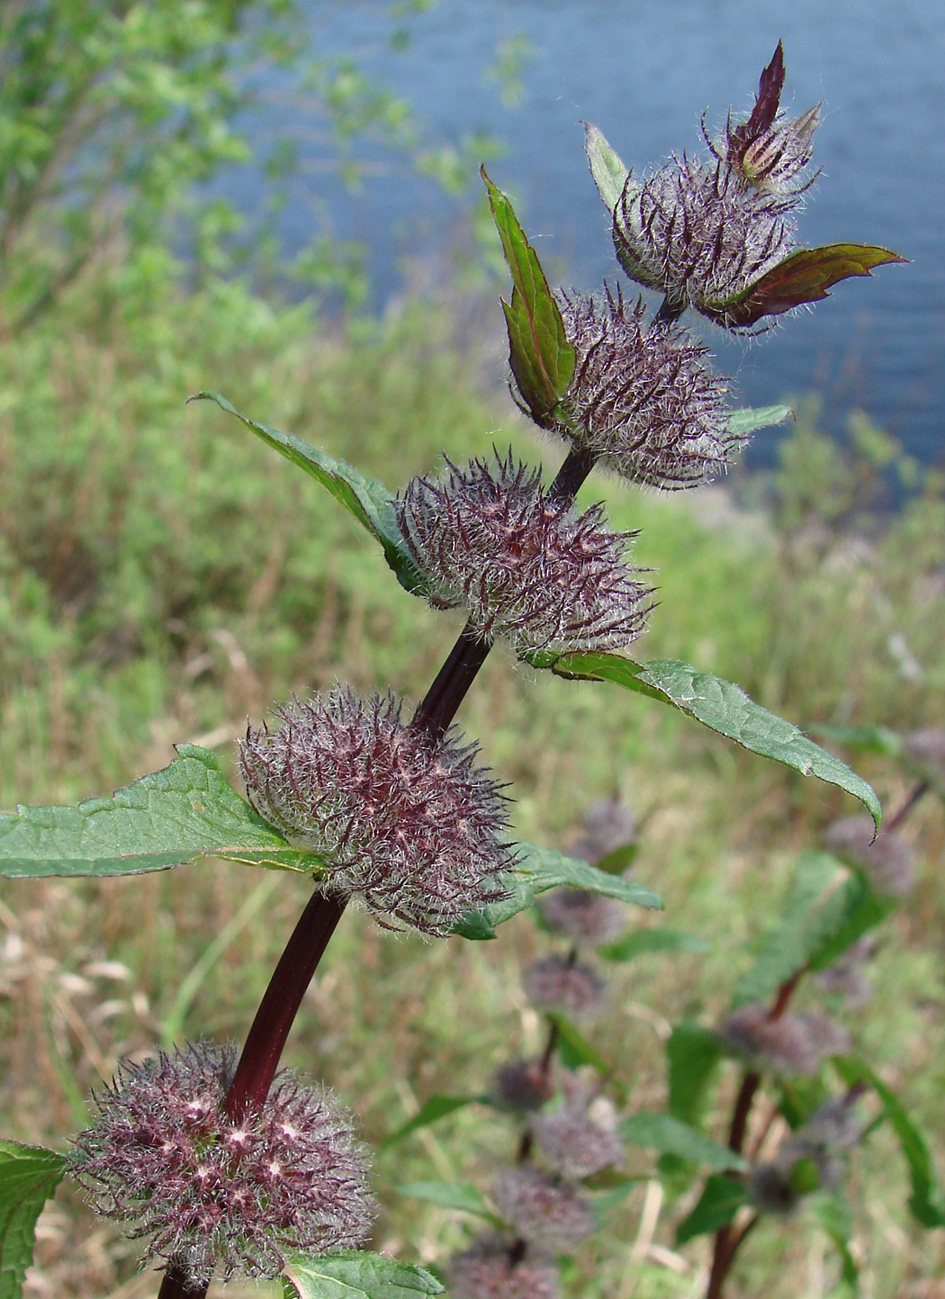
642,402
523,1085
790,1044
489,1270
544,1210
557,984
888,861
926,751
407,823
608,824
585,917
770,1189
576,1143
523,565
215,1196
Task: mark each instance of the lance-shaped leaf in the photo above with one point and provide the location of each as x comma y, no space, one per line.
185,811
462,1196
574,1049
927,1202
538,869
721,706
749,419
671,1136
805,276
541,358
609,173
645,941
766,105
356,1275
436,1108
29,1176
366,499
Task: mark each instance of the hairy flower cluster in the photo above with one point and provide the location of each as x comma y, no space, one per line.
556,983
642,402
408,823
547,1211
218,1196
523,1085
811,1159
588,918
790,1044
523,565
925,750
888,861
490,1269
703,231
577,1142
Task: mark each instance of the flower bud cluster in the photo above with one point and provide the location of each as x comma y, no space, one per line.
408,823
213,1195
523,565
811,1159
793,1043
642,401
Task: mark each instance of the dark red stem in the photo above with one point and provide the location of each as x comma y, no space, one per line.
897,818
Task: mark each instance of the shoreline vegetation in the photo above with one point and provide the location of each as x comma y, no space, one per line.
162,578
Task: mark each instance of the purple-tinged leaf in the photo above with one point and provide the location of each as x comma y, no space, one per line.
806,276
766,104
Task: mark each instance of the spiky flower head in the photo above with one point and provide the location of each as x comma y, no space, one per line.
216,1196
523,1085
578,1142
522,564
408,823
789,1044
703,231
588,918
642,400
546,1211
887,861
491,1269
558,984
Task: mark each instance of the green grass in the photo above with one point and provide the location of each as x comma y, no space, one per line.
163,576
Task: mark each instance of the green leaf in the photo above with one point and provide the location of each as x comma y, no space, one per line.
721,1199
692,1056
805,276
461,1196
617,860
831,1212
671,1136
539,869
541,358
644,941
29,1176
574,1049
826,912
927,1201
365,499
609,173
750,419
721,706
869,739
437,1107
183,812
356,1275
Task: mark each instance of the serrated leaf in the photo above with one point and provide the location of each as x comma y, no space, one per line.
644,941
927,1201
437,1107
185,811
609,173
805,276
29,1176
366,499
721,1199
693,1053
721,706
751,418
356,1275
575,1050
826,912
671,1136
540,869
541,358
462,1196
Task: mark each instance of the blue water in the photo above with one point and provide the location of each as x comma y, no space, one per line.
644,71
